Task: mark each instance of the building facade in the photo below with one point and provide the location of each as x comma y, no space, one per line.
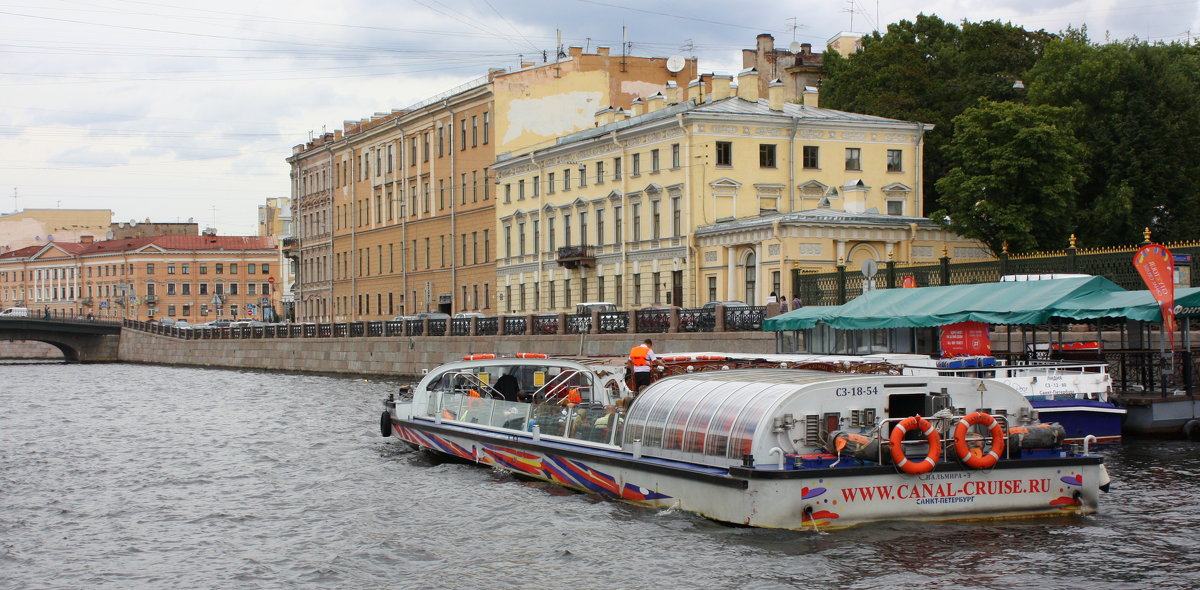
196,278
710,198
395,214
37,227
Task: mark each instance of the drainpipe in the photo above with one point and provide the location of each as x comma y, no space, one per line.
403,224
693,250
625,208
920,193
792,165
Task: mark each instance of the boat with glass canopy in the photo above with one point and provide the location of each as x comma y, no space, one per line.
781,448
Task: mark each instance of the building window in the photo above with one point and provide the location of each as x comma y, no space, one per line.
232,268
566,229
676,216
487,124
654,161
582,175
149,268
462,125
636,165
425,146
185,268
895,161
618,236
220,268
550,235
170,270
600,172
566,179
895,207
507,241
616,168
537,186
521,190
185,289
637,221
170,288
251,289
583,221
600,227
474,130
266,268
521,238
655,220
810,156
766,155
507,193
550,183
441,143
853,158
724,153
233,288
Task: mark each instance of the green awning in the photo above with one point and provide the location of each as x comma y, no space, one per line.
1022,302
1134,305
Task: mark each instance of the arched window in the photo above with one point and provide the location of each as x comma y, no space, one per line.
751,273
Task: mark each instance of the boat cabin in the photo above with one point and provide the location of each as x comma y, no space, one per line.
720,417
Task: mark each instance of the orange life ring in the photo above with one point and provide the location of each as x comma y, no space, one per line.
478,357
978,460
530,355
935,445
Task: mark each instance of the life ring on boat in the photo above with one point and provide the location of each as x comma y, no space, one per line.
478,357
897,439
530,355
385,424
978,460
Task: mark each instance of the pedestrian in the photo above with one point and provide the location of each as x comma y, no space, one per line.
641,359
772,298
46,312
783,306
797,303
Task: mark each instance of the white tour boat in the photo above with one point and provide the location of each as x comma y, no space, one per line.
782,448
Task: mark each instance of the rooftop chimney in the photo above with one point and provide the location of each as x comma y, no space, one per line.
811,97
695,91
602,50
748,85
639,106
766,43
720,86
775,95
655,101
672,92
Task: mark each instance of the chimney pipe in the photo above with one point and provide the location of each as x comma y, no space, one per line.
775,95
720,86
748,85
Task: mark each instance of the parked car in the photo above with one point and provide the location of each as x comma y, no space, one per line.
220,323
588,307
246,324
432,315
15,312
404,318
468,314
712,305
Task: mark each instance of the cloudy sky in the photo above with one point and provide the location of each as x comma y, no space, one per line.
170,110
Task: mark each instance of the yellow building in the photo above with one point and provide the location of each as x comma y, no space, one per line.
196,278
395,213
708,194
37,227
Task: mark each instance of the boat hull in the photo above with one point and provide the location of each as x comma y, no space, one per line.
1081,417
774,497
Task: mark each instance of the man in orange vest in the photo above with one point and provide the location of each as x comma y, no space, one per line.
641,357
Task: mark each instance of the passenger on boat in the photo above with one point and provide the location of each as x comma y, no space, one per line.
609,413
642,358
508,387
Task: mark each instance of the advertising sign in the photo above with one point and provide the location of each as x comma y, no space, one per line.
910,282
966,339
1157,268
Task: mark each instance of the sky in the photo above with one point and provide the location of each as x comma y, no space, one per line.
172,110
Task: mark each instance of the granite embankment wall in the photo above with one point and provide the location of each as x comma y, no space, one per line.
407,356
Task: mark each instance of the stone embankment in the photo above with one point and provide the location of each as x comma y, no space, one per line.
407,356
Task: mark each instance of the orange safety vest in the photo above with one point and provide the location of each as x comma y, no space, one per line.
639,354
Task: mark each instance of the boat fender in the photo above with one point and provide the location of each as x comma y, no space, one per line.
1104,480
385,424
976,458
852,444
1191,430
897,442
1036,436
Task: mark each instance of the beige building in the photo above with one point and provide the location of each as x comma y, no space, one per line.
148,229
37,227
196,278
797,67
395,214
708,194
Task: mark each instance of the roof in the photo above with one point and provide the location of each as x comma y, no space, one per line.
1134,305
823,216
184,243
1032,302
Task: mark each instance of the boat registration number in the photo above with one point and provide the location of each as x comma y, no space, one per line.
856,391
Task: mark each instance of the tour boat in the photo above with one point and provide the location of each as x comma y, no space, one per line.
779,448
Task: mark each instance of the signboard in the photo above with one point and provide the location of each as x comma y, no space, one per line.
444,298
909,282
103,305
264,301
1157,268
966,339
271,280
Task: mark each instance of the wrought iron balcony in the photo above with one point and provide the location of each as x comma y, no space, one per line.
577,256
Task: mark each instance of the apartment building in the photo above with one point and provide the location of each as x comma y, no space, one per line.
196,278
708,193
395,214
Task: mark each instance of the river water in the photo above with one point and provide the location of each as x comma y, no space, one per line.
131,476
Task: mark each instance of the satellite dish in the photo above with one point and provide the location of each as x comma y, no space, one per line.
109,235
794,47
869,268
675,63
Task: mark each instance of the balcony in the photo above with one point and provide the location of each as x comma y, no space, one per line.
150,300
577,256
85,301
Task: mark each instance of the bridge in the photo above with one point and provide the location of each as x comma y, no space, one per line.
80,340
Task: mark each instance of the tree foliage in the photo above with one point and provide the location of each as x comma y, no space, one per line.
1137,110
1014,176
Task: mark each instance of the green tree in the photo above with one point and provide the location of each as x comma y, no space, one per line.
930,71
1014,176
1137,110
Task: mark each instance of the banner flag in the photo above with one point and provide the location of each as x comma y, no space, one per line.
1156,266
